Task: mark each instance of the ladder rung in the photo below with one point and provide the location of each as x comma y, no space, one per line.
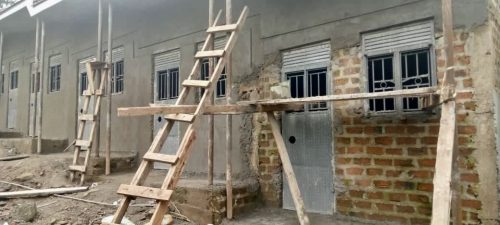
98,65
209,54
88,117
223,28
104,223
89,93
145,192
77,168
196,83
188,118
82,143
158,157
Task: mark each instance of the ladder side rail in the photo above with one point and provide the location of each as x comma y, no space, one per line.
90,78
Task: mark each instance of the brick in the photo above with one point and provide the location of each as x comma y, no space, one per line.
375,195
425,187
339,172
384,184
343,140
406,140
361,141
393,173
427,162
384,140
434,130
354,130
404,185
344,203
419,198
395,130
385,207
420,221
415,129
363,204
355,150
373,130
405,209
374,172
429,140
352,70
383,162
464,95
356,194
470,177
386,218
394,151
340,150
363,182
375,150
363,161
403,162
397,197
417,151
468,130
425,210
354,171
468,83
420,174
471,204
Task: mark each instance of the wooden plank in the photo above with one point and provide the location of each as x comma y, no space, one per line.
288,170
344,97
211,130
196,83
158,157
188,118
86,117
209,54
16,157
229,119
223,28
108,71
41,192
145,192
82,143
232,109
77,168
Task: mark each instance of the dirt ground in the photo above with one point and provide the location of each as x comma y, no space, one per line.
49,171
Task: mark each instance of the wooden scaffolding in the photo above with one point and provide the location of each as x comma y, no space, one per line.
446,192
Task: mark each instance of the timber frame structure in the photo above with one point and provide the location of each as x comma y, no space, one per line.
446,197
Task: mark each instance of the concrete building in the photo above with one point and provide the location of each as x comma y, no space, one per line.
367,159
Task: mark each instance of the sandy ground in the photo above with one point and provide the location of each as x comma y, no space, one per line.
49,171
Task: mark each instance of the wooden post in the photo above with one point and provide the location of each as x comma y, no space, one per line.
229,122
3,81
446,196
37,66
42,81
288,170
211,101
95,145
110,95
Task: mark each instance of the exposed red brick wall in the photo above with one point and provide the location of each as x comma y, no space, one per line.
386,164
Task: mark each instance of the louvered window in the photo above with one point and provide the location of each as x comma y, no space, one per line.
396,59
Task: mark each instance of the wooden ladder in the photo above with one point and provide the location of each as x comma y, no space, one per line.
87,118
162,195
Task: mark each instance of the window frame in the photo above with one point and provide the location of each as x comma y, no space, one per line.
2,83
118,77
397,72
57,82
305,69
11,83
222,79
168,84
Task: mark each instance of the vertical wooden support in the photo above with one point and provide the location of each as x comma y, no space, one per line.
1,72
229,122
41,71
110,95
37,65
288,170
95,147
446,198
211,101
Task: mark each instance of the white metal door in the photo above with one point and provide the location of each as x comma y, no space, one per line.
34,96
82,86
308,134
13,84
166,91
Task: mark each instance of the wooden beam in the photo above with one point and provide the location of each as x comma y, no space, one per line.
41,192
214,109
110,95
41,71
16,157
211,130
229,121
349,97
288,170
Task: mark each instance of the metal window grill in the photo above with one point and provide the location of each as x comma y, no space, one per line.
415,74
221,83
55,78
83,82
309,83
117,78
381,78
168,84
13,79
2,81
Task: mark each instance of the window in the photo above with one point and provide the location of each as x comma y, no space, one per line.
399,59
83,82
117,78
55,78
168,84
13,79
2,81
220,91
309,83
